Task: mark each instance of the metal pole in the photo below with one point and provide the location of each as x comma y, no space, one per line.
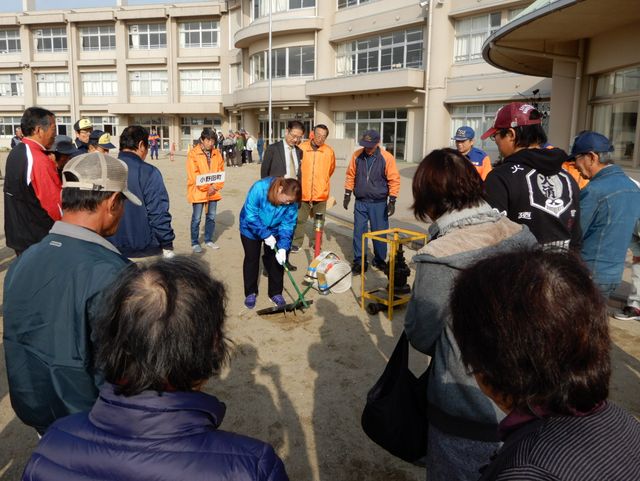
270,80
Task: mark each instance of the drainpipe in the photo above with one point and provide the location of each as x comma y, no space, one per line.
427,86
577,87
270,80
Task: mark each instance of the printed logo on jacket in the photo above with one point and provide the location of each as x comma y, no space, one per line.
552,194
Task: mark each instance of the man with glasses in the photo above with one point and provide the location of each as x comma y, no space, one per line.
529,186
609,209
317,167
282,158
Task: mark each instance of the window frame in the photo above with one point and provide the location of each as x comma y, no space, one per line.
135,31
50,34
184,33
484,32
258,63
216,82
260,8
60,79
109,36
147,77
4,37
615,99
11,82
373,50
107,78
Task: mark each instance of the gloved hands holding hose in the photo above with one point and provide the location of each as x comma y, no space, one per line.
281,256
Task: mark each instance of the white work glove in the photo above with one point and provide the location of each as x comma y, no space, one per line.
281,256
168,254
270,241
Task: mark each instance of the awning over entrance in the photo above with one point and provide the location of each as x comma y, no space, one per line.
549,29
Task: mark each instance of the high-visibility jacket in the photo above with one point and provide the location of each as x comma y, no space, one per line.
316,169
197,165
480,161
572,170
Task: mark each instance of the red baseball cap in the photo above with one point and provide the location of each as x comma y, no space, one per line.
515,114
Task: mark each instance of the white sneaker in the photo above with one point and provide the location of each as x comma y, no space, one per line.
196,249
212,245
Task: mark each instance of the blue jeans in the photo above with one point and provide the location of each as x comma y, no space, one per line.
365,214
154,150
209,222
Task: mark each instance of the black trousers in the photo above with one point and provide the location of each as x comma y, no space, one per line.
251,267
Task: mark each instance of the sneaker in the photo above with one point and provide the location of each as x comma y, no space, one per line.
278,300
196,249
250,301
291,267
356,268
379,265
212,245
295,249
629,313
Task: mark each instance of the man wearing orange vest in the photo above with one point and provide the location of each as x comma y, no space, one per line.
317,167
204,159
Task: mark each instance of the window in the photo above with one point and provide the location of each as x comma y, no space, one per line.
149,83
351,3
615,107
199,34
51,39
200,82
11,85
391,123
147,36
159,123
63,123
513,13
480,118
261,7
99,84
106,123
8,126
471,33
401,49
52,84
9,41
101,37
191,128
285,62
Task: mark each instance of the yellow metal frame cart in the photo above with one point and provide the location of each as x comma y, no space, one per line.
394,237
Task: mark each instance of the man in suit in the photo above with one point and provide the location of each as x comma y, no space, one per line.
282,158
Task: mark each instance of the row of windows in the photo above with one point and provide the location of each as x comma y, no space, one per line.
98,84
285,62
401,49
103,37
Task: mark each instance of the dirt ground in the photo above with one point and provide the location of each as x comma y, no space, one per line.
298,381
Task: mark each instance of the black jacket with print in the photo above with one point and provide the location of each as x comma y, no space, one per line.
531,188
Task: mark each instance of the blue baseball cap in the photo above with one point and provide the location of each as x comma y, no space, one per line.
464,133
369,139
589,141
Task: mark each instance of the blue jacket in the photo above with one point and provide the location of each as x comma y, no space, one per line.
52,294
144,230
151,436
259,218
609,209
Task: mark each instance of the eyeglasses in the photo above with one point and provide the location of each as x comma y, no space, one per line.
294,137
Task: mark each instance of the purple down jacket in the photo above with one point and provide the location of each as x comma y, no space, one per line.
168,436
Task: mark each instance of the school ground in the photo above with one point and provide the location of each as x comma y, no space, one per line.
300,381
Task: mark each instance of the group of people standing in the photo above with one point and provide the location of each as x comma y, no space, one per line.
509,300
